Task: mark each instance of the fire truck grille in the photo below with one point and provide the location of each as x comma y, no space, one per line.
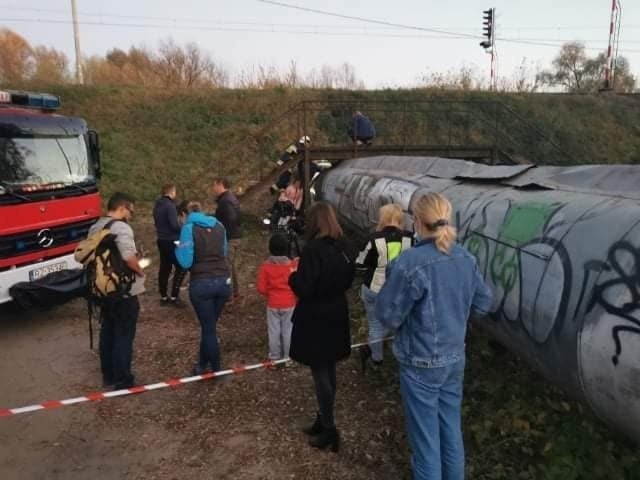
43,239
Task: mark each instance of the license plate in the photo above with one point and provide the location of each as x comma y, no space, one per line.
37,273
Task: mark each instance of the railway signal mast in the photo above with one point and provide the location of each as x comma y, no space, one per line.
614,40
489,45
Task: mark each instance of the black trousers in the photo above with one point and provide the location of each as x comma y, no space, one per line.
168,263
118,329
324,378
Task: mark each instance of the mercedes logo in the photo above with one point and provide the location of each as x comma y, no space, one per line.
45,238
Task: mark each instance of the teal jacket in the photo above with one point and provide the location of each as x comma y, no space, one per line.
186,246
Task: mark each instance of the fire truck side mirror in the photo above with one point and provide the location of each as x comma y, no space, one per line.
94,149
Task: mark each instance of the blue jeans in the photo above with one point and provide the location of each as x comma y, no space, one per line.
208,296
432,399
376,330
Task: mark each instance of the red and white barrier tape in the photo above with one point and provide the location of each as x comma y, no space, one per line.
172,383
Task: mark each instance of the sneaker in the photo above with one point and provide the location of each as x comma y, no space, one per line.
164,301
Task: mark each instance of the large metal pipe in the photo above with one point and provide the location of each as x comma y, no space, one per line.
560,246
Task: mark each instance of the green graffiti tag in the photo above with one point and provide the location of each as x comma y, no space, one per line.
522,223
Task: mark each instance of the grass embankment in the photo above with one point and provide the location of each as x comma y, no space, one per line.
153,136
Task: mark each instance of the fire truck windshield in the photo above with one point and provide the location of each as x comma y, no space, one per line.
30,164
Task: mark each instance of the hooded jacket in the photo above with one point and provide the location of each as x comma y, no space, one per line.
273,281
203,247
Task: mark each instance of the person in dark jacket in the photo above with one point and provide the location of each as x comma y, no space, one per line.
203,249
387,242
321,335
228,213
361,129
165,217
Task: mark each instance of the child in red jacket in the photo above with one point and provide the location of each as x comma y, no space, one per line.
273,283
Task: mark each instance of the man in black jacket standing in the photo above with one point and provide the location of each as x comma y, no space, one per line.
228,213
165,216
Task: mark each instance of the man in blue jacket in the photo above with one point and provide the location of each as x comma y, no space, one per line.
361,130
165,217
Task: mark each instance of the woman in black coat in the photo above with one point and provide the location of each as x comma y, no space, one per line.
321,335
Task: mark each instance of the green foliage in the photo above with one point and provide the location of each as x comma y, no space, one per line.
577,73
526,428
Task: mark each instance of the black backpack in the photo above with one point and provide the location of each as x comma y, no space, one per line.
108,276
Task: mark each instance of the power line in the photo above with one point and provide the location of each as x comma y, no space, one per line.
369,20
542,43
298,25
227,29
414,27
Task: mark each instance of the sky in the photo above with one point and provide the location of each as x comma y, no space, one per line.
244,33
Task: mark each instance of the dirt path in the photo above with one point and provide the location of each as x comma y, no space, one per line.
246,428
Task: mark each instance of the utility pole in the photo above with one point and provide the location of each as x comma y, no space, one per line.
76,37
614,38
489,45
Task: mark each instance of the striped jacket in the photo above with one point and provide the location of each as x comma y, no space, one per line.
383,247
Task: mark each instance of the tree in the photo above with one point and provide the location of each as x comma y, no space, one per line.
117,57
50,66
187,66
623,80
16,57
345,77
524,78
577,73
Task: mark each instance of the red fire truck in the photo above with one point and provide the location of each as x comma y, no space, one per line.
49,171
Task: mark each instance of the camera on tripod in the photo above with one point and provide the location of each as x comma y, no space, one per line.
284,219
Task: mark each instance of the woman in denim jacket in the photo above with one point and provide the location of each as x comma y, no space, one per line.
429,293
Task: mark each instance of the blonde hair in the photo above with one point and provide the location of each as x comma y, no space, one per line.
390,215
433,212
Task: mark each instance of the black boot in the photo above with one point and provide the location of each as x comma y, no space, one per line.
315,428
365,355
328,437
